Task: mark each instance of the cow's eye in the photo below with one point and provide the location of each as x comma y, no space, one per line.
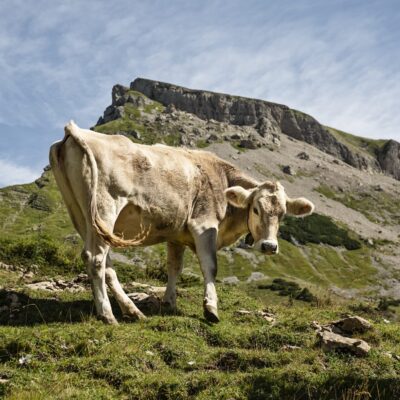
255,211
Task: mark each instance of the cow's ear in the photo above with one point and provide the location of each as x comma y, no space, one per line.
237,196
299,207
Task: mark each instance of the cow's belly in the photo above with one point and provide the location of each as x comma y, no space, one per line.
156,227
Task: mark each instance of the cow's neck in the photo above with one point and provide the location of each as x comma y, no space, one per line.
236,177
235,225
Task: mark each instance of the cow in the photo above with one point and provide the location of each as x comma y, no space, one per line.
119,193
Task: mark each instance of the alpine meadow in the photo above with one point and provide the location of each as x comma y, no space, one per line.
318,320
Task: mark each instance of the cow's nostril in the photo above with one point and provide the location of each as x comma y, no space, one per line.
269,247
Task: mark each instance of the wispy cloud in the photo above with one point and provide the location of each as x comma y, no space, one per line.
11,174
337,61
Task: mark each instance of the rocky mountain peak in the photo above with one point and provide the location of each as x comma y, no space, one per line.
265,121
269,118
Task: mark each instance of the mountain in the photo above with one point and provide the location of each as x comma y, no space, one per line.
280,315
267,120
272,119
349,247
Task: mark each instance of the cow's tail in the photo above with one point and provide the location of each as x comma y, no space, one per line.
72,130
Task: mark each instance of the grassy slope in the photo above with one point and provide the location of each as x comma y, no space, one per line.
74,356
150,134
35,214
26,209
365,200
182,356
367,145
36,228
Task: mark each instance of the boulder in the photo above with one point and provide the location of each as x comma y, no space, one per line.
350,325
334,336
287,169
248,144
332,342
268,316
146,302
231,280
255,276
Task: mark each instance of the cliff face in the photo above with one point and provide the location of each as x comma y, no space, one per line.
389,158
258,123
268,118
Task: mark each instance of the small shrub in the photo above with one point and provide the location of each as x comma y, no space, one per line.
42,251
291,289
317,229
385,303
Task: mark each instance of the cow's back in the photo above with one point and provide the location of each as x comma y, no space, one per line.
165,186
161,187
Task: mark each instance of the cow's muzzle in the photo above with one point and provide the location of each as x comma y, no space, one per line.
269,247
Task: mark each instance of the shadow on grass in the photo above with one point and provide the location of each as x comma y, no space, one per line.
266,385
20,309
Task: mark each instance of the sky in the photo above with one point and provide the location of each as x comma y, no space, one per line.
337,60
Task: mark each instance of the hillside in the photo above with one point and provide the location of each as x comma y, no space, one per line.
352,204
56,349
344,258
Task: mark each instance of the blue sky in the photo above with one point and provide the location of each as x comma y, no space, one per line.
337,60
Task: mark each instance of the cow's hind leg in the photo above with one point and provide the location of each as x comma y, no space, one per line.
94,256
128,307
175,265
206,250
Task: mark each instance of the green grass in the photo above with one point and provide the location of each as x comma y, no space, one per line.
182,356
149,107
48,256
132,122
47,239
318,229
30,210
201,144
370,146
365,201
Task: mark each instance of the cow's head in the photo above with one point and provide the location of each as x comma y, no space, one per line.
267,204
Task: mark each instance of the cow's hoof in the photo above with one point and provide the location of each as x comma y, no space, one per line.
109,320
211,313
134,316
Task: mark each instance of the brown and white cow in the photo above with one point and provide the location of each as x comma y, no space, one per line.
123,194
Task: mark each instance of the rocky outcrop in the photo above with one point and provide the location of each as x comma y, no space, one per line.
307,129
209,105
270,119
389,158
335,336
78,284
148,122
121,95
266,121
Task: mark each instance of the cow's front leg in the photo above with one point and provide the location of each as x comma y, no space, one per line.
128,307
94,256
206,250
175,265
